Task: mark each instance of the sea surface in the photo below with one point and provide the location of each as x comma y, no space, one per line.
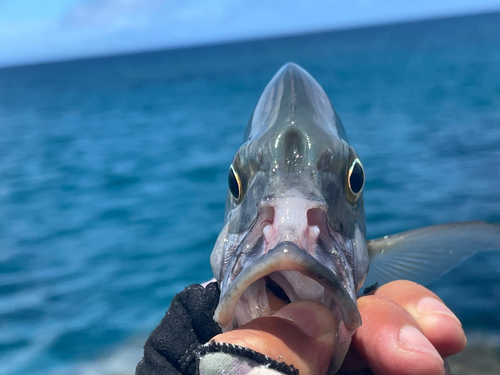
113,174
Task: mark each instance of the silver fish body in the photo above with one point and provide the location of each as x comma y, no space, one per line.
295,219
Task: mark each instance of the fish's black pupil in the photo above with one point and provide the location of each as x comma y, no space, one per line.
357,178
234,187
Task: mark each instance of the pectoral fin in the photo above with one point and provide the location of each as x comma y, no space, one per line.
422,255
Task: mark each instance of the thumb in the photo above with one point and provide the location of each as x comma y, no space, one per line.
302,334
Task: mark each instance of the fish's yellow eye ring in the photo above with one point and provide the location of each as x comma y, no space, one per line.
356,178
234,182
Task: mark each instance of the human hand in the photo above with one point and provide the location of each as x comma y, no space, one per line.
406,330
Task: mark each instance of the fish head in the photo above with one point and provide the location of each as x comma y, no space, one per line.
295,224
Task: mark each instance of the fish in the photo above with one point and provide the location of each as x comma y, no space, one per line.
295,224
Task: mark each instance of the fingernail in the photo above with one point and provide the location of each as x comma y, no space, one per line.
313,318
429,305
412,339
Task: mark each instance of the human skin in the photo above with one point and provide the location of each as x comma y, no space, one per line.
406,330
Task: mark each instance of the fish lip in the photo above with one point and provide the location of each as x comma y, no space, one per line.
287,256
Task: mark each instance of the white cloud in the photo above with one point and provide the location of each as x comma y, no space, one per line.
88,27
16,29
110,13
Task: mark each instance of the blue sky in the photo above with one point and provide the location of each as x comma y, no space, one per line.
35,30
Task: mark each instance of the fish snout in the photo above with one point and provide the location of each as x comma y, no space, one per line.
293,219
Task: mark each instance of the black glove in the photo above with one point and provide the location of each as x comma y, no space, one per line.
188,323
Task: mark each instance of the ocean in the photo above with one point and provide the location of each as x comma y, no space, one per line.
113,174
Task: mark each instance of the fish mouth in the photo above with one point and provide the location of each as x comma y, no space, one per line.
291,274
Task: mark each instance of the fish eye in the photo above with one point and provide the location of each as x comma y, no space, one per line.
356,177
234,183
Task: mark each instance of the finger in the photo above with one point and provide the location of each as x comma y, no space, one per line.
390,342
303,333
438,323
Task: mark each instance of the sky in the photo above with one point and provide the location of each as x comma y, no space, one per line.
34,31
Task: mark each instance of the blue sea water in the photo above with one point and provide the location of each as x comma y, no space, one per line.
113,173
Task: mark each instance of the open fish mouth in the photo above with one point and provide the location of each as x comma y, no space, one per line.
291,274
